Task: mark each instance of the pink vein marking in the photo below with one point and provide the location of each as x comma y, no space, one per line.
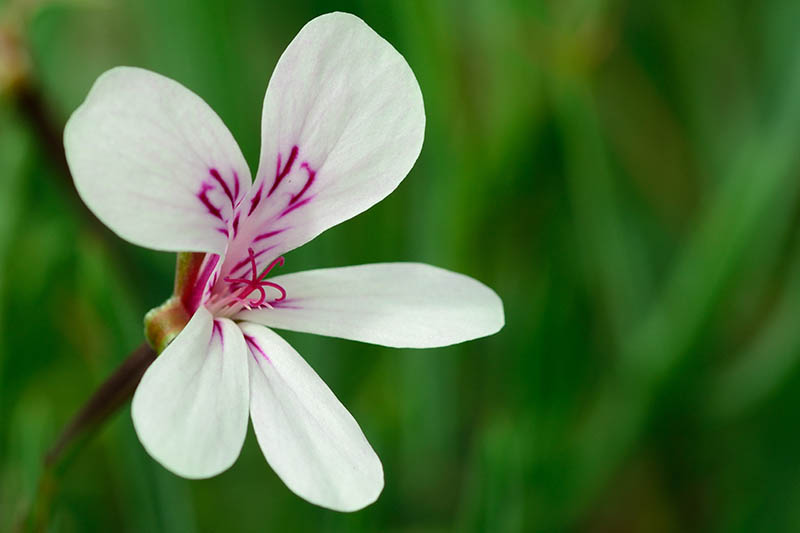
236,224
280,174
292,207
215,174
203,196
268,234
236,183
311,175
256,199
223,231
252,342
217,329
246,261
286,303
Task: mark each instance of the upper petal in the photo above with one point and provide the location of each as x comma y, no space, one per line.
190,409
343,123
404,305
154,162
307,436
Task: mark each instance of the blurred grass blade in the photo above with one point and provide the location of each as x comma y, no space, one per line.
711,257
611,257
766,362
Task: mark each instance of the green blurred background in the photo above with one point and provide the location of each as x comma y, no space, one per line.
623,173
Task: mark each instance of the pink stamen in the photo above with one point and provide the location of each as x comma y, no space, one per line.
277,287
257,303
257,283
271,266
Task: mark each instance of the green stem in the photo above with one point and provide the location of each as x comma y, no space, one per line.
106,400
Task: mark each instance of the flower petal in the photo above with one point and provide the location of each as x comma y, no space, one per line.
307,436
155,163
404,305
190,409
342,125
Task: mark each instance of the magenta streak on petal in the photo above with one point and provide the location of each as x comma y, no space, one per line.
196,296
287,303
217,329
223,231
280,174
215,174
268,234
203,196
311,175
246,261
256,199
236,224
252,342
292,207
236,183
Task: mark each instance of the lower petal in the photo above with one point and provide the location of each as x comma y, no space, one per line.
190,409
308,437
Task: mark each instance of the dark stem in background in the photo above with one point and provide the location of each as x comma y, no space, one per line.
105,401
111,395
31,106
119,387
30,103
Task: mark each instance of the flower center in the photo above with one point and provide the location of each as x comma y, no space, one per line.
237,296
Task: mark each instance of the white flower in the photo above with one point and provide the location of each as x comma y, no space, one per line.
342,125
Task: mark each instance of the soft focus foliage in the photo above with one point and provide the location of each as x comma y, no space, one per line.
623,173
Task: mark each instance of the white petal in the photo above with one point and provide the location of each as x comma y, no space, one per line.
190,409
404,305
342,125
155,163
307,436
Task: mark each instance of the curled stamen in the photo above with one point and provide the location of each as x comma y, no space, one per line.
257,303
277,287
279,261
257,283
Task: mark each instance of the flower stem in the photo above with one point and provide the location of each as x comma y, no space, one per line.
105,401
32,107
